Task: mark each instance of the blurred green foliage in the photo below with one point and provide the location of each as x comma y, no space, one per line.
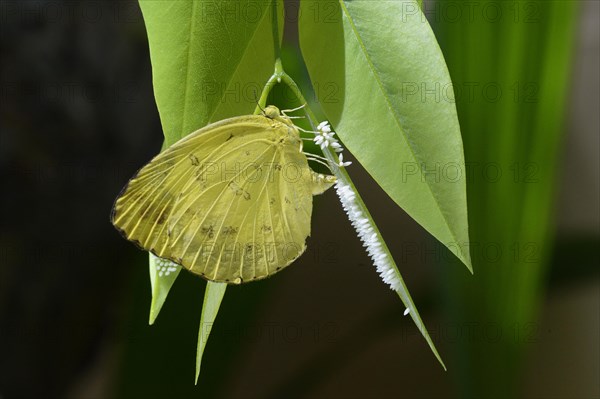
510,64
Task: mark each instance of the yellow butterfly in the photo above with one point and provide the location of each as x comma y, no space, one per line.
231,202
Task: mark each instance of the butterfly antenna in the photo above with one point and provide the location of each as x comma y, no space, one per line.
257,102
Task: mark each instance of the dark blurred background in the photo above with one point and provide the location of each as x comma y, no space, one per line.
78,118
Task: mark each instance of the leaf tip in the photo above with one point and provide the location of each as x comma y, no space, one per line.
469,266
437,356
465,257
152,317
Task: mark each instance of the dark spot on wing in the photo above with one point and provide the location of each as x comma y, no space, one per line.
238,190
163,217
230,137
208,231
235,188
194,160
230,230
143,209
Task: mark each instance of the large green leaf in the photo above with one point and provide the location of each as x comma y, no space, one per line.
381,79
210,60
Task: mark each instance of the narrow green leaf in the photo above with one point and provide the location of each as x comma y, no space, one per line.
161,284
381,79
367,230
377,248
212,300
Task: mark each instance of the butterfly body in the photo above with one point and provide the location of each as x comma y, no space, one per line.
231,202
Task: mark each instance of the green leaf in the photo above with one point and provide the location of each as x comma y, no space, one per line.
381,79
212,300
161,285
210,60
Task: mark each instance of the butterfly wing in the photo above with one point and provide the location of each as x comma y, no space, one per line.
231,202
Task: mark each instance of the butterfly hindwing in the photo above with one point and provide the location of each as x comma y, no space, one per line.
230,202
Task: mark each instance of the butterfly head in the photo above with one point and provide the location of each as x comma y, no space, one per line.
272,112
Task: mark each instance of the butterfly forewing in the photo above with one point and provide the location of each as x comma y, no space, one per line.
231,202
